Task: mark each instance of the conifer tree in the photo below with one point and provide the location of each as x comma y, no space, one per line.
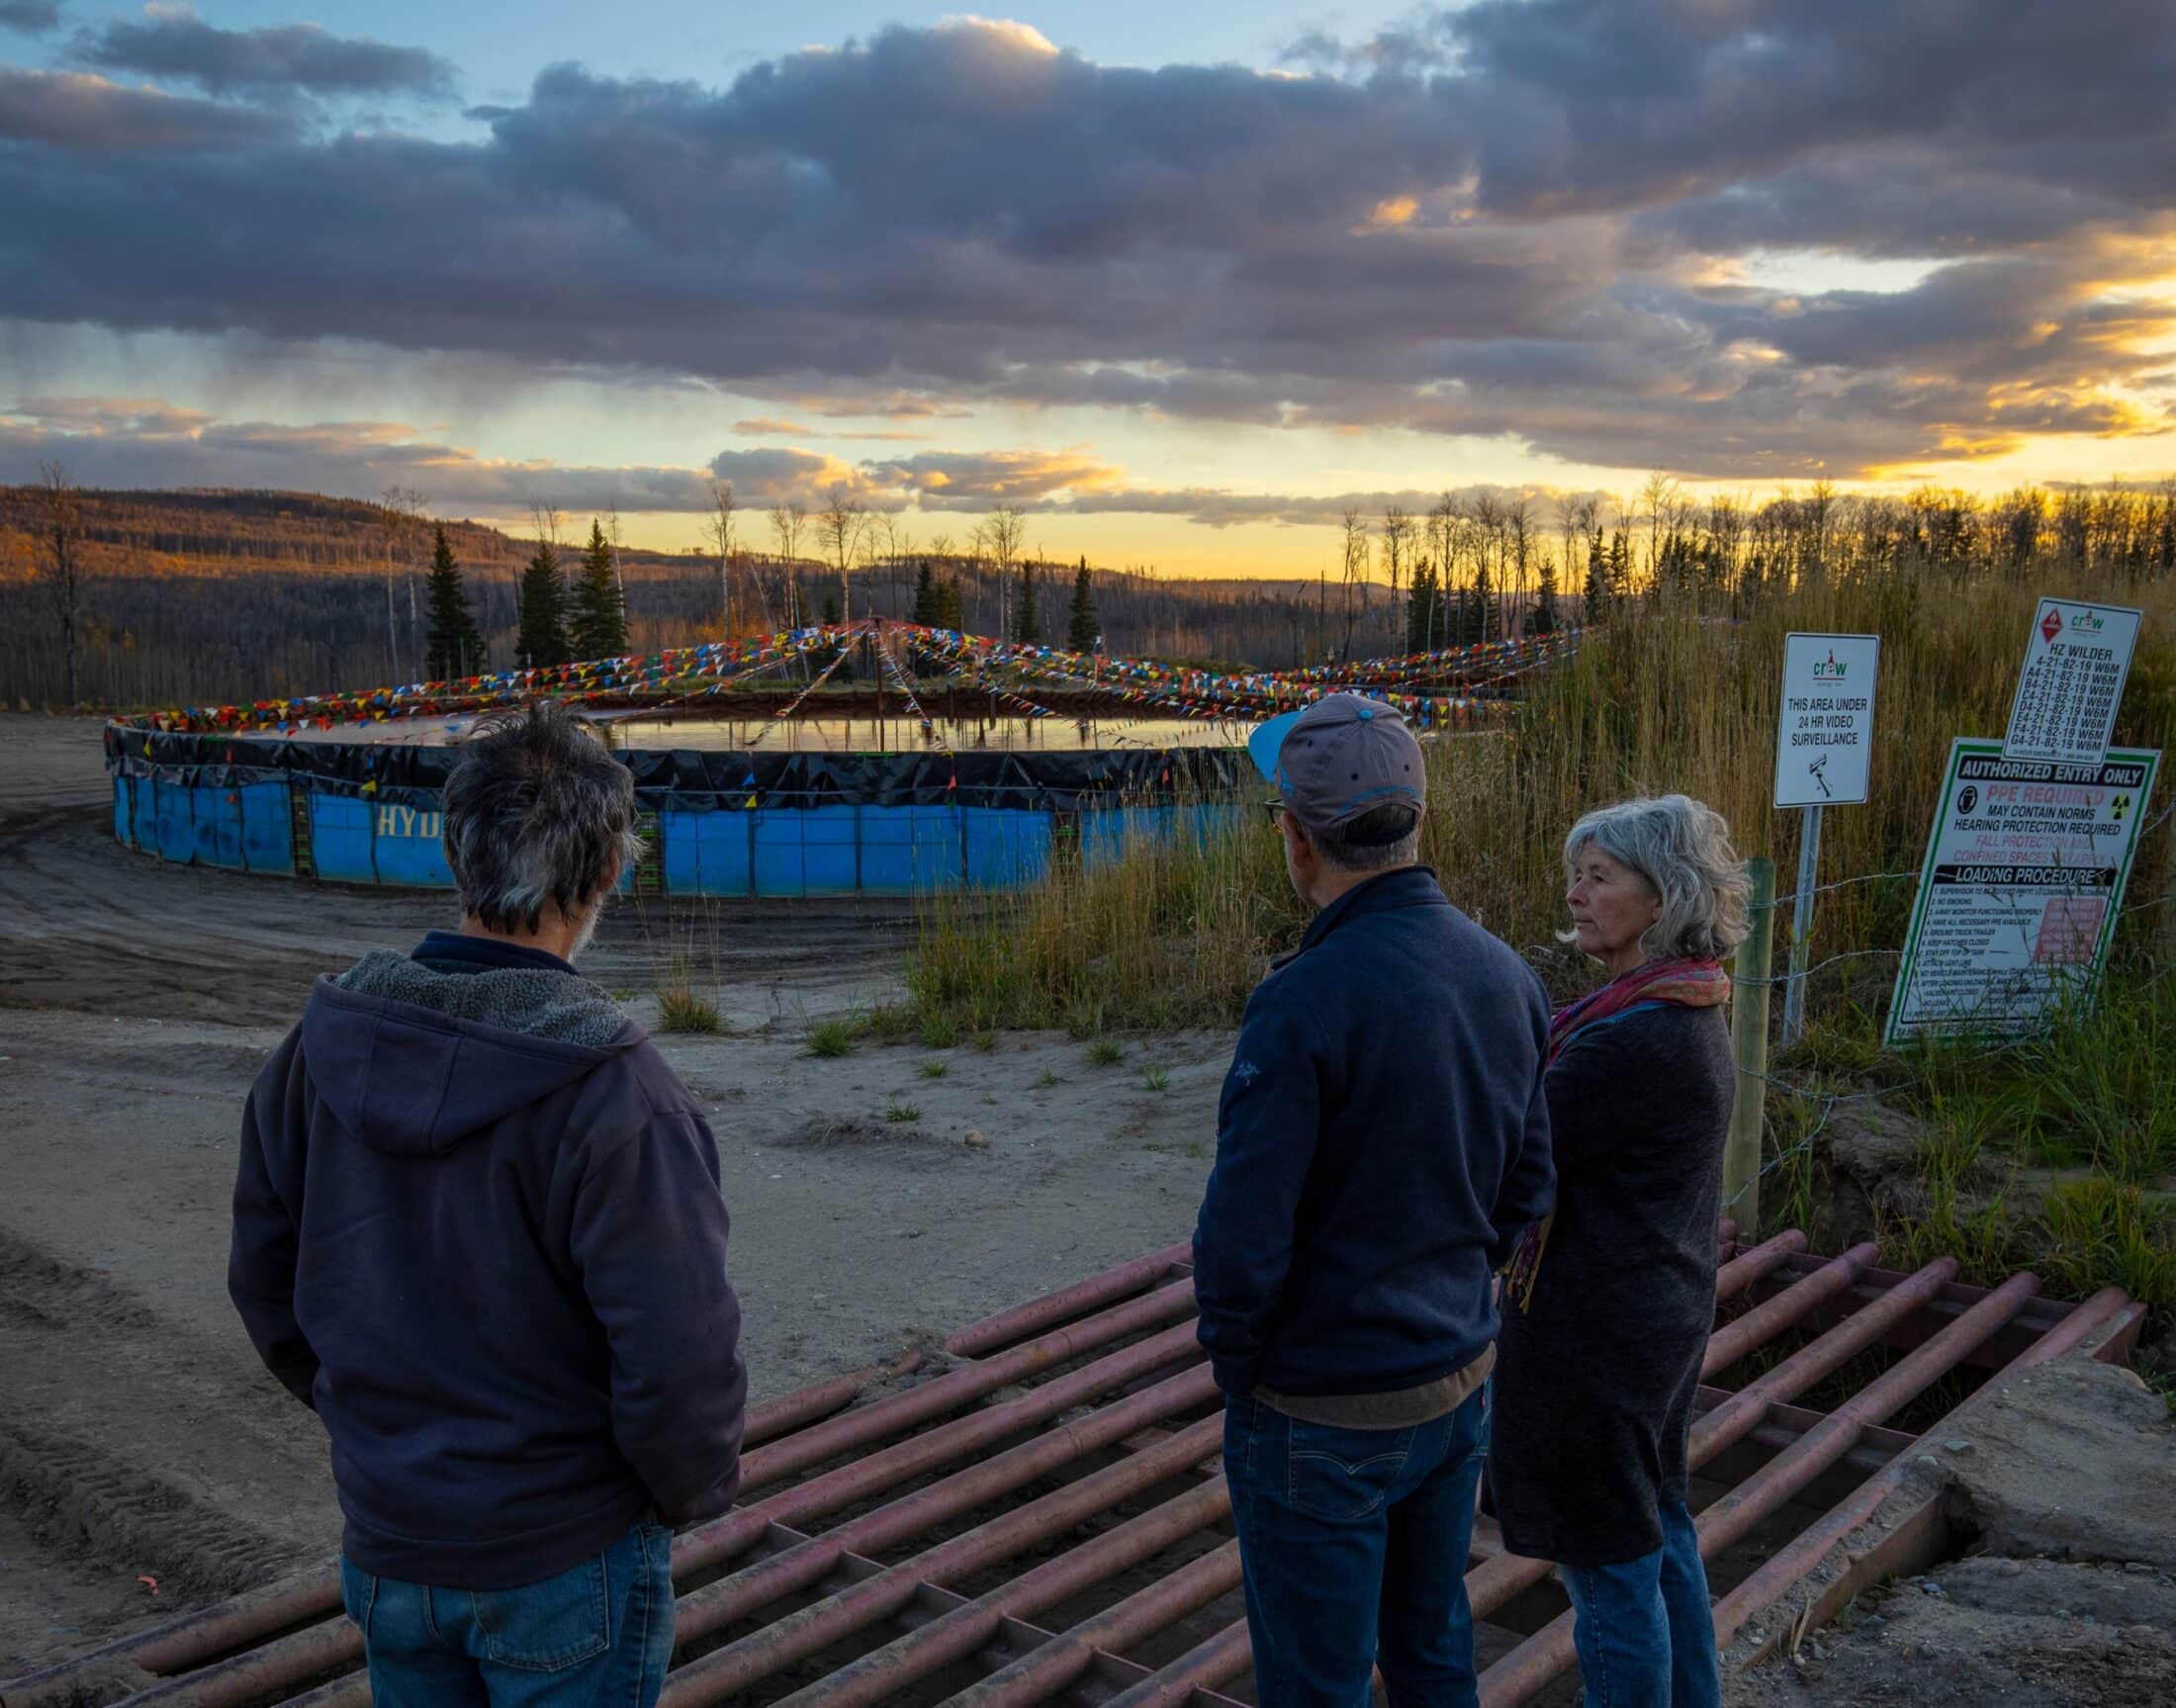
1544,620
597,621
1598,578
542,638
925,599
1026,628
948,603
1082,627
1426,625
453,644
1479,619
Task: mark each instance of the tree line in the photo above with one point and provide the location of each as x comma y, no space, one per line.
157,598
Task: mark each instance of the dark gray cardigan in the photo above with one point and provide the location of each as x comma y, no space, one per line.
1596,1382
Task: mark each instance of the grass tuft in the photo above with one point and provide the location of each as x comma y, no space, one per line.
829,1038
935,1069
1155,1078
902,1111
1106,1053
680,1010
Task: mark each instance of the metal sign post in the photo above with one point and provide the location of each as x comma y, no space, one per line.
1802,924
1824,747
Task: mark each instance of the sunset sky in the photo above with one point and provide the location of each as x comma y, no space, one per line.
1180,280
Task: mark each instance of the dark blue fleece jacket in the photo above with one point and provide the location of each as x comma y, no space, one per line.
1380,1144
494,1262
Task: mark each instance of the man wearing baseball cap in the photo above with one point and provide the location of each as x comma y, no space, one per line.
1380,1144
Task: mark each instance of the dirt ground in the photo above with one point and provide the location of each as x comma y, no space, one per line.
148,1463
137,1436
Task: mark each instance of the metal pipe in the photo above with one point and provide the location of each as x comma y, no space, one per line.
1534,1664
258,1672
809,1629
1494,1581
241,1621
1205,1666
861,1479
819,1399
809,1562
1806,1550
1050,1666
184,1642
950,1391
952,1636
1012,1324
1742,1271
1497,1579
1723,1425
1769,1319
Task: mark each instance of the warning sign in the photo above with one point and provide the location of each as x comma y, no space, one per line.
2023,880
1824,735
2076,658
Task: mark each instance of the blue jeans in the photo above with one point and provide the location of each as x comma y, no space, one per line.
1644,1630
1354,1544
596,1635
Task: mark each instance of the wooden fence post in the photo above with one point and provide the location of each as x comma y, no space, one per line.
1749,1030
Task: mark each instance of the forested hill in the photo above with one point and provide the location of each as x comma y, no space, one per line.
204,597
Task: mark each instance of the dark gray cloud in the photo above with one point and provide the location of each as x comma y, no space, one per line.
80,113
172,41
1506,220
30,16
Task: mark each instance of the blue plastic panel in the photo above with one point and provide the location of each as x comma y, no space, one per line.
217,817
830,854
177,831
1005,849
407,847
887,851
122,815
339,838
267,839
939,859
143,805
779,868
706,853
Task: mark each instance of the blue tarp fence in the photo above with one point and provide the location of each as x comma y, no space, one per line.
717,823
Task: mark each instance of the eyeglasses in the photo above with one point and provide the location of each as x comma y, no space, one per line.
1275,807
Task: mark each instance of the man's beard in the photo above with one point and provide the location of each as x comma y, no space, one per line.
588,929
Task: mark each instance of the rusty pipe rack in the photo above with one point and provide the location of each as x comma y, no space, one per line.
899,1539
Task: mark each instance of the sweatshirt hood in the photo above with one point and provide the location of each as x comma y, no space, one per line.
411,1061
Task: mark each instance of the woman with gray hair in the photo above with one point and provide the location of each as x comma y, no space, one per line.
1609,1303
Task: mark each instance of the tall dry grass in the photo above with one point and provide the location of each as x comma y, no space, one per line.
1660,698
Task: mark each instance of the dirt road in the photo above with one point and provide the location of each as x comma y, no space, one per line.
137,1436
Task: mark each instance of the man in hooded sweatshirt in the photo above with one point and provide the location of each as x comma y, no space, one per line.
478,1229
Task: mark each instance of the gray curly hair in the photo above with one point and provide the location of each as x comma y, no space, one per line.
1683,849
537,810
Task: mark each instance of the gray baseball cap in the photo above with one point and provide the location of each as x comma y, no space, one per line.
1344,755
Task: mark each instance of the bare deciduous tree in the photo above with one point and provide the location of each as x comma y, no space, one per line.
61,561
786,521
1354,570
720,529
839,525
1004,536
400,513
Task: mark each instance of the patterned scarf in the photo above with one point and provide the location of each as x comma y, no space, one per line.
1687,983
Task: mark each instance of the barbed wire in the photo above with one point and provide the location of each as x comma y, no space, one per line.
1841,883
1844,954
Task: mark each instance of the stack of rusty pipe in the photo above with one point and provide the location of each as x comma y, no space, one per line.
903,1533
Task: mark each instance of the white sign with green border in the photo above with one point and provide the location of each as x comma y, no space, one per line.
2019,893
